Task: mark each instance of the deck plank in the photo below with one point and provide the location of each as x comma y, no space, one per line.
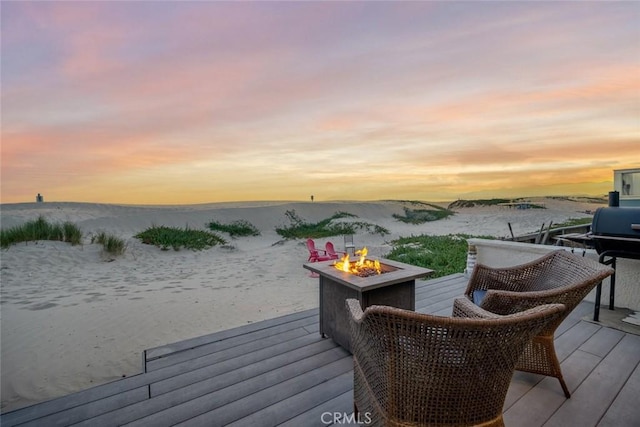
323,414
444,300
168,359
434,288
440,285
223,402
283,392
625,410
576,316
601,343
538,401
572,339
591,401
566,344
250,364
229,383
156,352
250,348
72,401
93,409
283,410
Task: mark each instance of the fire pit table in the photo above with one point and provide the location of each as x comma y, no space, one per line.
395,287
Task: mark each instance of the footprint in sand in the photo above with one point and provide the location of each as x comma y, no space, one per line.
41,306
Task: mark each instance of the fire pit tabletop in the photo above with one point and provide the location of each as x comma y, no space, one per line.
394,272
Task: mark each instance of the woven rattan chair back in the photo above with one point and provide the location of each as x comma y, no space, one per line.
418,369
558,277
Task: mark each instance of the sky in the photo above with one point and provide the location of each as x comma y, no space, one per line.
163,102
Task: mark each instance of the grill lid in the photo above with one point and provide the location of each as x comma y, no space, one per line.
620,222
616,229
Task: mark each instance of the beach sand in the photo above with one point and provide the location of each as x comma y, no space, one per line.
73,317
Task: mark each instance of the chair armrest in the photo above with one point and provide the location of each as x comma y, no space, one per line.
509,302
463,307
355,310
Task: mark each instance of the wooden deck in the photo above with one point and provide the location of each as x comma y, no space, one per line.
281,372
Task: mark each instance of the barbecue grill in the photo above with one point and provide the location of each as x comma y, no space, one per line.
616,229
615,233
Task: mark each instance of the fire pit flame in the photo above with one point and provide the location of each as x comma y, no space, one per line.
363,267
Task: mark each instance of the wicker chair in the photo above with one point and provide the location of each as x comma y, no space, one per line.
559,277
415,369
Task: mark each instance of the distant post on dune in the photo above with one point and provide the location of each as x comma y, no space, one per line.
312,198
39,198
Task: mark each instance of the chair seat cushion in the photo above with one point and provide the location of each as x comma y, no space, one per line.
478,296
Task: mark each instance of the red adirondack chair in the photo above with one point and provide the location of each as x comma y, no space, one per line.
314,254
331,252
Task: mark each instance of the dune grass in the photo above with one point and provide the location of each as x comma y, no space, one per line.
599,200
444,254
478,202
420,216
301,229
491,202
236,228
177,238
41,229
111,244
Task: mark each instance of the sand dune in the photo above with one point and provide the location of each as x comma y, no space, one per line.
73,318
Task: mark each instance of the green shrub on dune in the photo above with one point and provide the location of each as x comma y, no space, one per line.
492,202
111,244
444,254
41,229
301,229
480,202
236,228
176,238
420,216
71,233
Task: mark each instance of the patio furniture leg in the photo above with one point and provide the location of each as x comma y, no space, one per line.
564,387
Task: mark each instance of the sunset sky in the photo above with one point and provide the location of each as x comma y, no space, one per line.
194,102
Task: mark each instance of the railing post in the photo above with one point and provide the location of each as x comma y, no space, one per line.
471,260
